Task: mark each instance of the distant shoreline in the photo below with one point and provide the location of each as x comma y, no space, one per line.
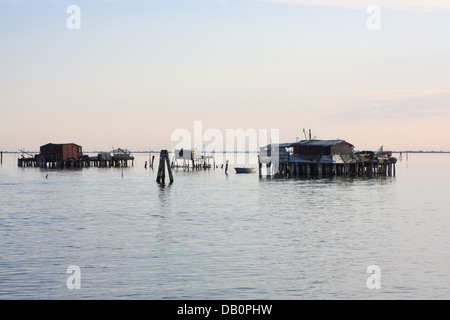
217,152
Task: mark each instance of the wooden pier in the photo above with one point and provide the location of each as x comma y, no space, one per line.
320,158
192,160
119,158
84,162
70,156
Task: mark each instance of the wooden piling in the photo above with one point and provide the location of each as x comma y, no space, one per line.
259,166
163,160
169,169
160,169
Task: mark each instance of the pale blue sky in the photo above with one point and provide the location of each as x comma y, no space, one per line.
138,70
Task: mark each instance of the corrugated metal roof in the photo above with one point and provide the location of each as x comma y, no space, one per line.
323,143
281,145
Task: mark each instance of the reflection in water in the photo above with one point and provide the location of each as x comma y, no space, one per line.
164,194
163,240
338,179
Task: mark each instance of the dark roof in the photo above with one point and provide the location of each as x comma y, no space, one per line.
322,143
60,144
281,145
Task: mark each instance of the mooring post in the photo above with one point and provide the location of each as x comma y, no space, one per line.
163,160
168,167
160,169
259,166
163,167
226,167
1,157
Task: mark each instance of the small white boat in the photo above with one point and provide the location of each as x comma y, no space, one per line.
244,170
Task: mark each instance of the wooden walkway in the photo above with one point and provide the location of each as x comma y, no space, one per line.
101,160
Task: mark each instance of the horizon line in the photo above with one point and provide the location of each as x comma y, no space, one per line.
233,151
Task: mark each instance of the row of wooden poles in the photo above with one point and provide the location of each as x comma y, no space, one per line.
80,163
299,169
164,161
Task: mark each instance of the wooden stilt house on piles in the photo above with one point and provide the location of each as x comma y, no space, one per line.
323,157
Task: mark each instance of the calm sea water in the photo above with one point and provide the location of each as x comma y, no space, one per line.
216,236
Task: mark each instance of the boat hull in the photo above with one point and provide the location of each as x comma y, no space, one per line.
245,170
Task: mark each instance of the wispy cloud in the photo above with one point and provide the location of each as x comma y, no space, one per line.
223,3
415,5
398,105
